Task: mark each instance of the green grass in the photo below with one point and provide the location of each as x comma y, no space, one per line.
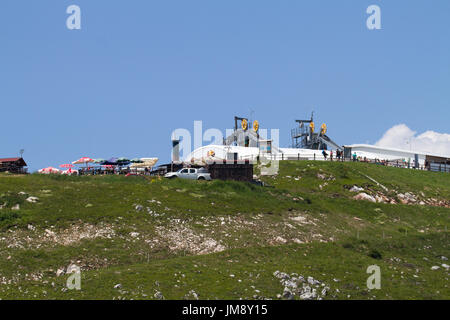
292,225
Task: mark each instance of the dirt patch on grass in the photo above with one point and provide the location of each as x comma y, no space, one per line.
33,238
244,231
182,238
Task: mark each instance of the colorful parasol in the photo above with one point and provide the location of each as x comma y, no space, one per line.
84,160
49,170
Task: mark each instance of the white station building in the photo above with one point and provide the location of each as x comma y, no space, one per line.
392,154
227,152
248,145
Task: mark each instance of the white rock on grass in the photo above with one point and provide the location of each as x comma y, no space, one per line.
307,291
435,268
312,281
49,233
158,295
32,199
446,266
407,198
291,284
279,239
356,189
364,196
16,207
193,294
287,294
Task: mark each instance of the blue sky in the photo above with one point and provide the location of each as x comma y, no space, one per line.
139,69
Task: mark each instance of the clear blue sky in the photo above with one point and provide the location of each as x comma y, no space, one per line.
139,69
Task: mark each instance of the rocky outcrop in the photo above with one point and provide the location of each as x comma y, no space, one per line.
395,197
299,287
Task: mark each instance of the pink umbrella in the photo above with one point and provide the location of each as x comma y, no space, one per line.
84,160
70,171
49,170
67,166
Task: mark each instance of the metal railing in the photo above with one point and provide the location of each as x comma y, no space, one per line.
439,167
316,156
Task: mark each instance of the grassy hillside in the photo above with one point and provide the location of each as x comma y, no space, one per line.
137,238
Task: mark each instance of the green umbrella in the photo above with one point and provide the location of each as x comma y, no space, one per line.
99,160
136,160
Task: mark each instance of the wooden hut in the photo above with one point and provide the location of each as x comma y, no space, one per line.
13,165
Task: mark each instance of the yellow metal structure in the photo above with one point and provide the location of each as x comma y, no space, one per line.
323,129
255,125
244,124
311,127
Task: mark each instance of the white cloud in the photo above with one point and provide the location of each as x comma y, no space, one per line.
402,137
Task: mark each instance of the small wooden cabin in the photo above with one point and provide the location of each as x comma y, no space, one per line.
13,165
